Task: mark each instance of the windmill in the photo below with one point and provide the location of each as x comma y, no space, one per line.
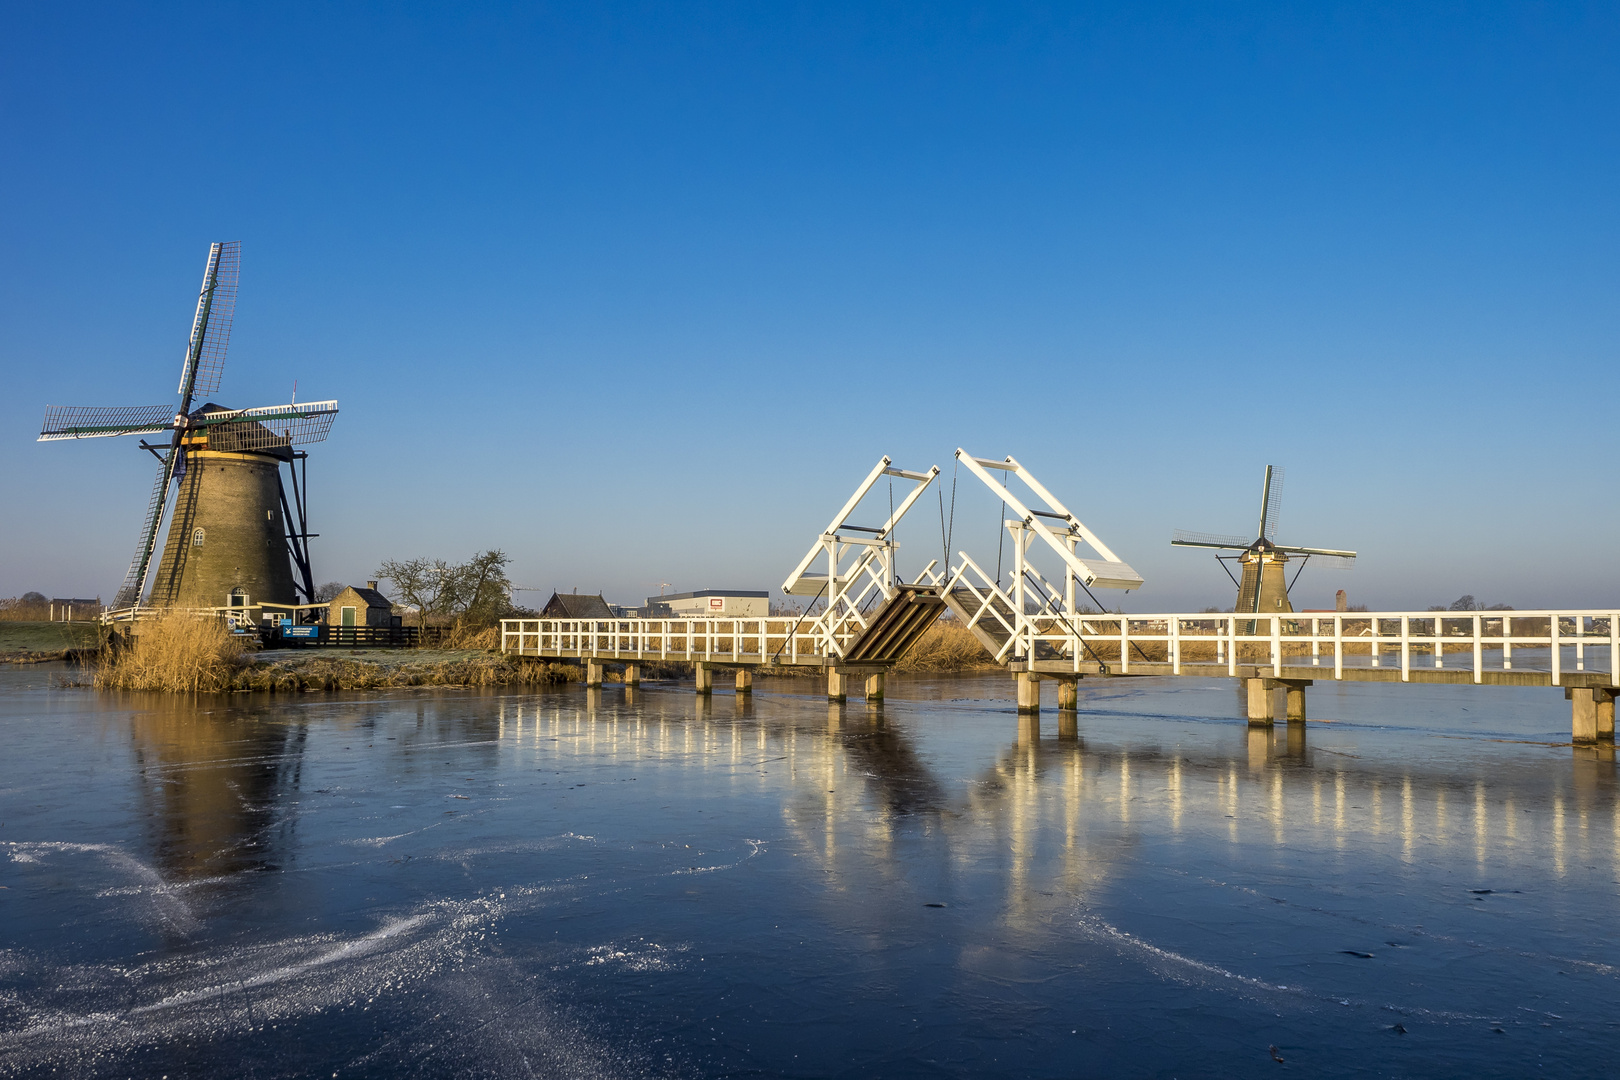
232,528
1264,585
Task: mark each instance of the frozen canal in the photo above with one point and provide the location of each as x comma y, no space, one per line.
605,883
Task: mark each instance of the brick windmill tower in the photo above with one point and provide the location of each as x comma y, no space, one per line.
235,537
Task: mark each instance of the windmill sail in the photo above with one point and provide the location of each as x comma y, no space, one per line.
1271,502
211,326
266,427
129,594
1187,538
94,422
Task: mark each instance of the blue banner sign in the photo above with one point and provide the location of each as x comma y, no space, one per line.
301,631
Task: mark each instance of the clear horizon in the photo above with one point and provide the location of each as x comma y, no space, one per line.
638,295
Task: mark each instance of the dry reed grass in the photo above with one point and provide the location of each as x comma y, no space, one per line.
176,653
330,673
948,646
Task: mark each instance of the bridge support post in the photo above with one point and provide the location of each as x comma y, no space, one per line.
745,680
1261,712
705,678
632,674
1605,713
1296,700
1068,695
593,673
1029,692
1583,714
874,687
837,685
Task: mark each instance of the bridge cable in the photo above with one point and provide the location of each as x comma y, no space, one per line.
1104,610
1051,603
788,640
1001,539
895,567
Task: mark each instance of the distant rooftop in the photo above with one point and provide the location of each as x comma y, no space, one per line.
702,593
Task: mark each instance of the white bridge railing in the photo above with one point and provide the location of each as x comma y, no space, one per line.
1551,642
1203,643
785,639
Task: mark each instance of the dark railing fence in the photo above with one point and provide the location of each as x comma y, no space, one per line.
349,636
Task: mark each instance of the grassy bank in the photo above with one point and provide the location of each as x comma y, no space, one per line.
31,642
185,654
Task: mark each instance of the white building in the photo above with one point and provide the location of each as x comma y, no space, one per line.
710,603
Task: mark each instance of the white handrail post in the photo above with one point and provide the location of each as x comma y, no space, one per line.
1316,642
1614,647
1276,645
1557,649
1231,646
1338,646
1406,648
1580,642
1175,645
1124,642
1479,648
1372,630
1439,643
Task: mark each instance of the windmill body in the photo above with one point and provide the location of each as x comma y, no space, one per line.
226,545
1264,583
236,534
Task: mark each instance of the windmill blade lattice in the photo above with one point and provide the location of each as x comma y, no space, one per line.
269,426
1188,538
1271,503
98,422
211,326
129,593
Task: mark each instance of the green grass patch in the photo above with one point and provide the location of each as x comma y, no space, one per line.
47,637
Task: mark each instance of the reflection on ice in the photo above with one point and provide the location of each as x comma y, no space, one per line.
647,881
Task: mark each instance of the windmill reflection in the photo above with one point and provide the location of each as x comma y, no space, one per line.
217,785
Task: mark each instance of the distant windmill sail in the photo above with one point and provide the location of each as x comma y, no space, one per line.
1271,503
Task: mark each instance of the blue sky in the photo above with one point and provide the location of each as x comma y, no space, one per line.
639,293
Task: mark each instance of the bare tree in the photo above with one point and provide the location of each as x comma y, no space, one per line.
329,592
428,585
477,590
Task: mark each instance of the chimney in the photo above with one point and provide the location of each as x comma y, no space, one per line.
372,585
1341,602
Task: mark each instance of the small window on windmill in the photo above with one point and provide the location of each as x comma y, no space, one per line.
238,598
198,537
269,515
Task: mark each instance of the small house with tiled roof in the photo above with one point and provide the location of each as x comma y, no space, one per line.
576,606
360,607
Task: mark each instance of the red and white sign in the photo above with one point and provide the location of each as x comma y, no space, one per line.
717,603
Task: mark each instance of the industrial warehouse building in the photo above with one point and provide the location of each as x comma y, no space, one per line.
710,603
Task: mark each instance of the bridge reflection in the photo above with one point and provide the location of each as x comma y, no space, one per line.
1059,807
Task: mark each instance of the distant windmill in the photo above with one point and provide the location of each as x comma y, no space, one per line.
1264,585
229,540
